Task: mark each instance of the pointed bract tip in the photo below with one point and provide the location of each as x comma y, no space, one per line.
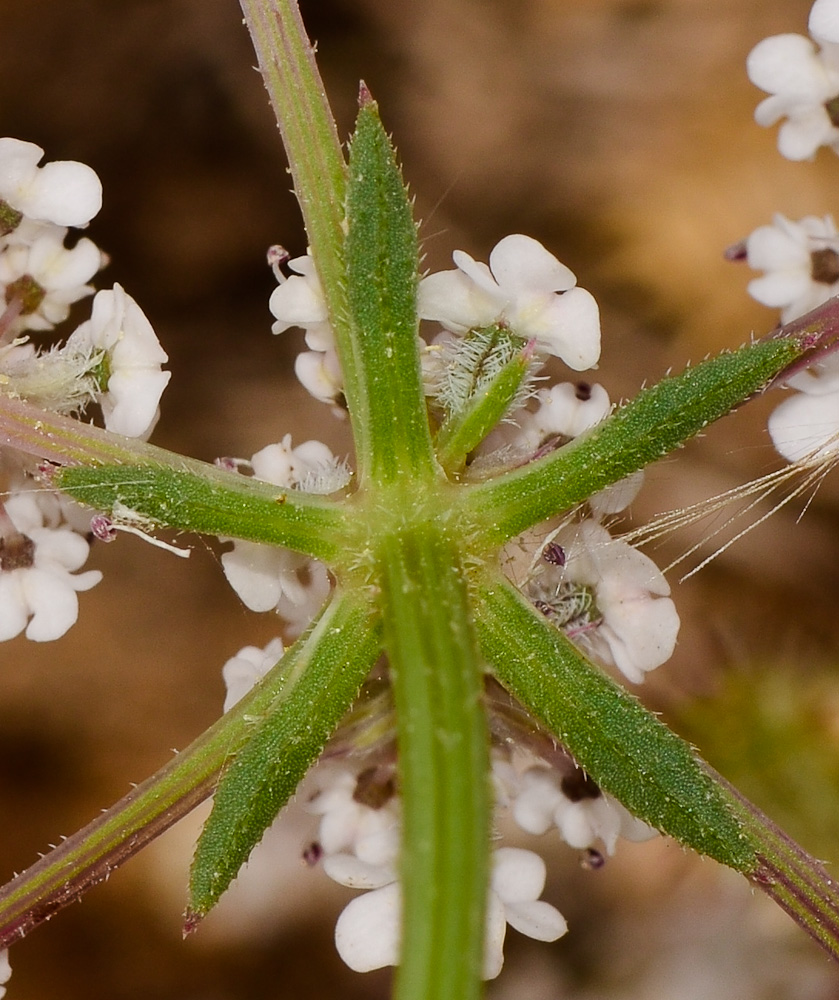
365,98
191,921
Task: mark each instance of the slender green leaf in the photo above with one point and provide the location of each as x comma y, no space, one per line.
320,676
658,420
627,751
382,274
213,502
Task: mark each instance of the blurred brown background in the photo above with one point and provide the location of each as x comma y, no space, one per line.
619,133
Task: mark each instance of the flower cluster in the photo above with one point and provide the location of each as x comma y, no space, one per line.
525,289
268,578
800,259
359,829
112,359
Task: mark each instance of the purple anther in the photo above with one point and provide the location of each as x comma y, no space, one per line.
554,554
102,528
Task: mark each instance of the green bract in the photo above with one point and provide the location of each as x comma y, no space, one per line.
414,552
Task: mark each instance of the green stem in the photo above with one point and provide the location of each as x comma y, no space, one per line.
287,63
443,760
89,856
788,874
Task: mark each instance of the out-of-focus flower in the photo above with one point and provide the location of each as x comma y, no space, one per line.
801,261
803,83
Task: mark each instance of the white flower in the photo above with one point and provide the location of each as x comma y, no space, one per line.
64,192
249,665
637,625
582,820
518,879
268,577
299,301
565,410
570,408
525,288
37,564
368,931
133,354
47,277
801,260
352,829
803,83
319,372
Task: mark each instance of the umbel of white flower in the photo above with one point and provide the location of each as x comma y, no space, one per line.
524,288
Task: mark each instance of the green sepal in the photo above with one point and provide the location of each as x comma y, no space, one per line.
320,676
655,422
382,260
623,746
493,364
211,501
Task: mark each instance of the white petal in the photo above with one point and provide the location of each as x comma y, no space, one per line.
357,874
130,405
520,263
536,919
253,571
18,164
52,603
786,64
569,329
59,546
14,611
368,931
641,634
778,288
804,424
494,933
319,374
517,875
66,193
296,302
783,246
453,299
800,137
565,409
824,20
